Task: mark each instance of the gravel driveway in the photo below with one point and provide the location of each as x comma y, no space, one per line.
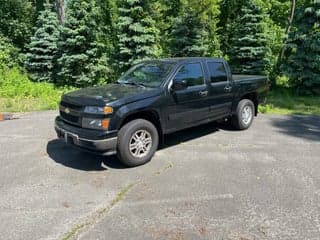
208,182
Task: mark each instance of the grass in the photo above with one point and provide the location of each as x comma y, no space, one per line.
19,94
24,104
284,101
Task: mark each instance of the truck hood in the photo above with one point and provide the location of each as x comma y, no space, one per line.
110,93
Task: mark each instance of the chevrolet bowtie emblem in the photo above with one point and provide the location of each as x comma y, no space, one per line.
67,110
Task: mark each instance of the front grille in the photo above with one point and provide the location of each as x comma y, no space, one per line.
70,113
71,106
69,118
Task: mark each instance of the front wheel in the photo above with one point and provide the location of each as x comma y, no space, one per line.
138,140
244,115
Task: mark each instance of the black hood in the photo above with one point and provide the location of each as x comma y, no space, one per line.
99,96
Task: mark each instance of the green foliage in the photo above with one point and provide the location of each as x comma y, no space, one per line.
16,21
100,38
249,52
229,12
138,36
286,101
277,10
9,55
43,49
19,94
194,31
83,60
165,14
107,19
303,50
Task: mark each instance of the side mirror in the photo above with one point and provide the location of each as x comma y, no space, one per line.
179,84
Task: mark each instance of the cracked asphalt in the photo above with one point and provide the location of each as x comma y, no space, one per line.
207,182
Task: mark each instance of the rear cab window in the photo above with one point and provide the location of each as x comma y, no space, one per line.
217,72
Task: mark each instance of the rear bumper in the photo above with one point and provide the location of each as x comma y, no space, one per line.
106,146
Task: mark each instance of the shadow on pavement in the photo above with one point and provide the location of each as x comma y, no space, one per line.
306,127
194,133
75,158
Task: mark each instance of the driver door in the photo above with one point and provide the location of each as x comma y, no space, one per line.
190,101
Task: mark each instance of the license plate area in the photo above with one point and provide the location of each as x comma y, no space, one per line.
70,138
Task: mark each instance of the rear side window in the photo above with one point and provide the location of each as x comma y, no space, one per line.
192,73
218,72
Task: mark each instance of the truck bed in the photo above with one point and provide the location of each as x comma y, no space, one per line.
248,77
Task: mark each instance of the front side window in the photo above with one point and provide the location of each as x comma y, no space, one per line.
218,72
191,73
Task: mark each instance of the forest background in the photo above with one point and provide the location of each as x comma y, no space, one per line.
49,47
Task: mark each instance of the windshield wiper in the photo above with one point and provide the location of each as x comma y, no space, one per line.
133,83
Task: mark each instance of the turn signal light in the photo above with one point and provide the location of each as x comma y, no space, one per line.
108,110
105,123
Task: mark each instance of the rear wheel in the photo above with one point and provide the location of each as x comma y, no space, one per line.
138,140
244,115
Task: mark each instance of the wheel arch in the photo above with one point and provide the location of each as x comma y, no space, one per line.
253,96
149,115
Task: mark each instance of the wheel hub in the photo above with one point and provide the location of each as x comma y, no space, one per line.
140,143
247,115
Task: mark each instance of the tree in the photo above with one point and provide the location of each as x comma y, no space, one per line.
229,10
60,10
138,36
249,51
43,48
16,21
59,6
83,61
107,25
302,64
165,14
194,32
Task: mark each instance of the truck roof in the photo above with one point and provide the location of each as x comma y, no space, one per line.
186,59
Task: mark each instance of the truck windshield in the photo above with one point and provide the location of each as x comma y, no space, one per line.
148,74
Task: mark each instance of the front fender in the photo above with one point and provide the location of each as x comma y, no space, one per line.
133,109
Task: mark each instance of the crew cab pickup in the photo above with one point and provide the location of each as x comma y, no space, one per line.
155,98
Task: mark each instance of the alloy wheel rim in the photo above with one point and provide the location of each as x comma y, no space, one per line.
140,143
246,115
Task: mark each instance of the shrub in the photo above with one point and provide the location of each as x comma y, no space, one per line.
9,55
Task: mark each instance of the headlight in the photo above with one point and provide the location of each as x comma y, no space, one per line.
93,123
98,110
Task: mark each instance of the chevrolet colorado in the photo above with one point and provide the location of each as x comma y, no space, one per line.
155,98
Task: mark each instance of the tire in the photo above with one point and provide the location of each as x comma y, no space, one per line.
244,116
134,145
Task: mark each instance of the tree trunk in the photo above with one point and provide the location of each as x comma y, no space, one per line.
288,28
61,10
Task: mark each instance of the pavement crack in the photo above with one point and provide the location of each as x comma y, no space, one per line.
166,168
97,215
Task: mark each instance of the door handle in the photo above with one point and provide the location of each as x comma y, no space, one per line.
203,93
228,88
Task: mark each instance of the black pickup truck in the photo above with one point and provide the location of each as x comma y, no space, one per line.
155,98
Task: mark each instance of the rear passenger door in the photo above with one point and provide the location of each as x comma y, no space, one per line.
190,105
220,89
